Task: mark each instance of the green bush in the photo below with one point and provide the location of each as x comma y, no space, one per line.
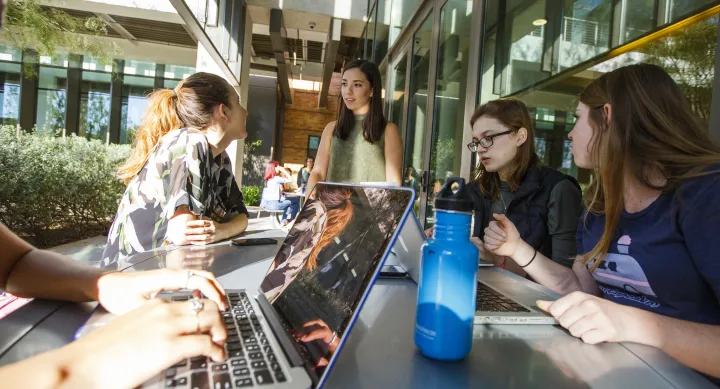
58,189
251,195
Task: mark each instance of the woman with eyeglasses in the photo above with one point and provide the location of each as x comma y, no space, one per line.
511,180
648,268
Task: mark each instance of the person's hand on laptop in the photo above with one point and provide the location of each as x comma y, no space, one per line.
123,292
321,332
136,346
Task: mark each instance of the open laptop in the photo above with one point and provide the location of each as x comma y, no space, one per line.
319,280
501,299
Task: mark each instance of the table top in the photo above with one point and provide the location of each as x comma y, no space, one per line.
380,350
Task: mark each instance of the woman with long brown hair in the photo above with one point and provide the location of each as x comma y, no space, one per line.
181,189
322,220
648,270
511,180
361,145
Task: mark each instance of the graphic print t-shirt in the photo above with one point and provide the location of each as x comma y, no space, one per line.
666,258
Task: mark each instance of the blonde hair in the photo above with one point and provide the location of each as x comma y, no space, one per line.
190,104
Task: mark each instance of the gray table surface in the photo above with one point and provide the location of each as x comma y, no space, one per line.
380,352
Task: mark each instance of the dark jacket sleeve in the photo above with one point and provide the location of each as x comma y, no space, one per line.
564,209
478,211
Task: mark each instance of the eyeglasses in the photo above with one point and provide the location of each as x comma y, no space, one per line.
485,142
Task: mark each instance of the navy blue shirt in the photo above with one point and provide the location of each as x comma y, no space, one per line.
666,258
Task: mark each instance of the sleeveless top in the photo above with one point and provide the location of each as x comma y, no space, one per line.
356,160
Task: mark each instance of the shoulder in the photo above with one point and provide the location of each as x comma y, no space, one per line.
329,128
701,193
555,179
188,139
392,132
390,126
566,186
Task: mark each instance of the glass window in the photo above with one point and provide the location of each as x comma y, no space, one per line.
139,68
134,104
382,30
313,145
178,72
398,96
402,12
90,63
681,8
450,90
52,99
370,43
640,18
10,54
59,59
417,107
10,76
170,84
95,105
585,32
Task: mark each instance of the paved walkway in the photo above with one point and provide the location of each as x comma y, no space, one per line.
91,249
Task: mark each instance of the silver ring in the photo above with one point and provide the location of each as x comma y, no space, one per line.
333,338
189,276
197,305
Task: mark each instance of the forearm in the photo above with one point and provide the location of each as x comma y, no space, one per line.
52,369
315,177
44,274
546,272
692,344
234,227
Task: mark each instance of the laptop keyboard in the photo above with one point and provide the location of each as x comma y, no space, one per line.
489,300
251,360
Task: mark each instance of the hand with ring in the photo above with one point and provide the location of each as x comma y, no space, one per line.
321,331
123,292
136,346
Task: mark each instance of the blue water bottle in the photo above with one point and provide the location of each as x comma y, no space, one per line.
447,287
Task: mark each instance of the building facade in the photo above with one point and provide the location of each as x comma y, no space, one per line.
440,59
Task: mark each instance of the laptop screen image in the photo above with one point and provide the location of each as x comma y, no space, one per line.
327,262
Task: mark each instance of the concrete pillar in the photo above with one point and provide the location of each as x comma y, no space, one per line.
206,64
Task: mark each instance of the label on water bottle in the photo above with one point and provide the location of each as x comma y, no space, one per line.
424,332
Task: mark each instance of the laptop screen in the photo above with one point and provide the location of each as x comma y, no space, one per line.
327,261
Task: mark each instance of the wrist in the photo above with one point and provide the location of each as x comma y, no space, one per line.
523,254
645,327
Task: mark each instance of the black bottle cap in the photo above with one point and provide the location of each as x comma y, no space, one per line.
454,196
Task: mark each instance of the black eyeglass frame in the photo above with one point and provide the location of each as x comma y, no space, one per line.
486,142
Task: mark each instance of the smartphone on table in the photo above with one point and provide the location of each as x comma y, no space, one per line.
253,241
392,271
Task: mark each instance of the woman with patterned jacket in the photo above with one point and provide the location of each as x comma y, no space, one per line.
181,189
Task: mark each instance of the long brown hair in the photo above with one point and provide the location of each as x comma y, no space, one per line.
652,129
375,122
340,211
514,115
190,104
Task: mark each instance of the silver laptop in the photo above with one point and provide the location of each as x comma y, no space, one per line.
502,298
318,280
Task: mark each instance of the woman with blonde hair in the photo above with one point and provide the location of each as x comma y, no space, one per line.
181,189
648,269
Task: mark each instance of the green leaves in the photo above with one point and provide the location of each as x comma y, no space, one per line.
51,31
57,189
251,195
